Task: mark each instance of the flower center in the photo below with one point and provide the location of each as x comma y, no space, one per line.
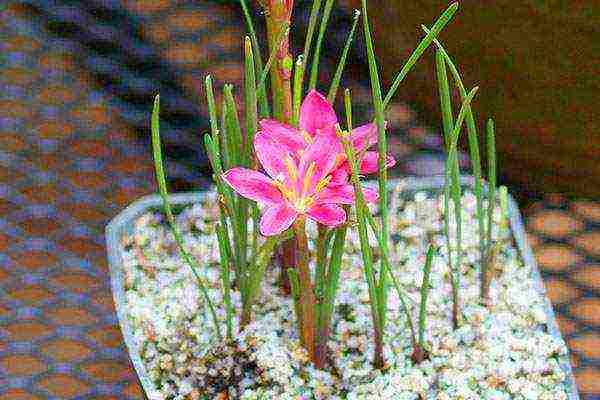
298,196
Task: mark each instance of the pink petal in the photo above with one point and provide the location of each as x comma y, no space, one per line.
283,134
341,194
364,136
276,219
369,163
344,194
340,175
323,153
271,156
327,214
371,195
316,113
253,185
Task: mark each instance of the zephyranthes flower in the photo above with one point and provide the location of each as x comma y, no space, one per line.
295,184
317,118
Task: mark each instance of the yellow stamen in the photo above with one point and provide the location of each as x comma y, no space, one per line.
309,139
291,168
308,177
322,183
287,193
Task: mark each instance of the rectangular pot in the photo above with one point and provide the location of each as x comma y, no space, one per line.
123,223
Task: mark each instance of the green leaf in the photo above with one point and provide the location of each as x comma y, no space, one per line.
297,90
473,146
262,90
335,83
491,153
441,22
250,106
232,125
382,150
164,194
225,278
314,71
425,287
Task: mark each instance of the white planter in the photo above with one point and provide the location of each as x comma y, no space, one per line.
123,223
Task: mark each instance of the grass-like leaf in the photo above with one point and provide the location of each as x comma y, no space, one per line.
280,39
164,194
262,90
382,150
314,69
425,286
503,194
225,279
250,101
453,180
491,195
310,31
441,22
297,89
473,147
362,226
335,83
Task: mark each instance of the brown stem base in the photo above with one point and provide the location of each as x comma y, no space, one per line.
455,315
288,259
378,360
419,354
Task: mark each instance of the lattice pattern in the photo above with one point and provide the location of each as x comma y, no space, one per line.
73,153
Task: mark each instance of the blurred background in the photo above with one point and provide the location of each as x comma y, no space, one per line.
77,81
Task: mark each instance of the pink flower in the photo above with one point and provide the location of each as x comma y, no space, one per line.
295,184
317,118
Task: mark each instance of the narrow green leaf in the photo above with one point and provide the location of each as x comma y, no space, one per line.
212,110
425,286
382,150
262,90
348,107
280,39
164,194
455,189
332,279
445,100
361,211
504,204
491,153
250,105
314,70
335,83
225,279
295,289
473,147
312,23
297,89
441,22
232,124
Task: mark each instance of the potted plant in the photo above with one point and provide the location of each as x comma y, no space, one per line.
295,279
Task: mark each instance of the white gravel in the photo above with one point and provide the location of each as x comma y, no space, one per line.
501,352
